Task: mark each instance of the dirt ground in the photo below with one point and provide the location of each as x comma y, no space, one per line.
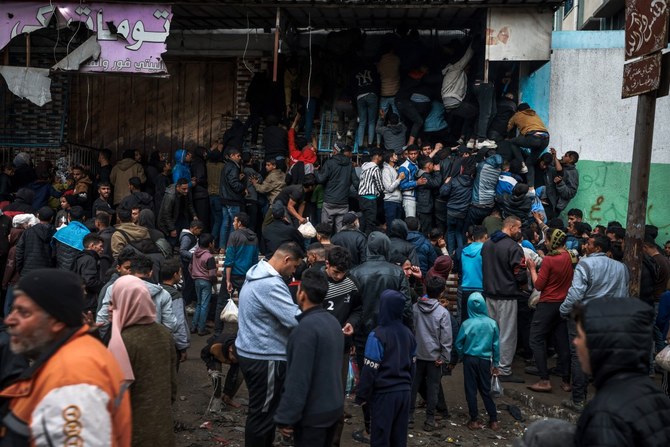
198,428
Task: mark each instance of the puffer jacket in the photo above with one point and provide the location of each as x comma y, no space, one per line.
172,207
374,276
353,240
560,194
11,275
401,249
628,409
337,176
424,250
484,189
425,194
181,169
34,248
519,206
121,173
231,187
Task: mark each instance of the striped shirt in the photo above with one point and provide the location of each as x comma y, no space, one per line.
371,180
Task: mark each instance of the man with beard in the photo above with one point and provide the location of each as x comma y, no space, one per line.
73,392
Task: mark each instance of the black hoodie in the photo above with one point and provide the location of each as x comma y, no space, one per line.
503,268
33,251
629,409
337,175
401,249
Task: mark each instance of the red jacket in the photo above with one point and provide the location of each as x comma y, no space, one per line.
306,155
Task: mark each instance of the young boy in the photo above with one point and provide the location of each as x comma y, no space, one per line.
170,277
87,265
432,325
477,343
188,242
220,350
388,369
204,273
313,399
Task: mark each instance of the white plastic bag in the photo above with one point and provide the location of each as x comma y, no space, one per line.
534,299
663,358
307,230
229,313
496,387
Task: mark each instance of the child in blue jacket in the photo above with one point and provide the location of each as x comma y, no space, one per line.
477,344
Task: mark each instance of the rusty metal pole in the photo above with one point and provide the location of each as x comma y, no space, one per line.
639,188
276,48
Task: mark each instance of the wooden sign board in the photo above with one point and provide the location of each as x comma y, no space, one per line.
646,27
641,76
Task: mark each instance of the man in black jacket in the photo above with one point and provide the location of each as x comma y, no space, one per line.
279,231
504,272
232,190
337,175
351,238
176,211
401,249
87,266
374,276
612,343
313,399
33,251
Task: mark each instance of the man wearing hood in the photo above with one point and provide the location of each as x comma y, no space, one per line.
505,277
22,204
33,251
432,324
400,248
279,231
241,255
425,252
385,385
337,175
182,166
267,314
68,242
518,204
122,173
370,189
374,276
352,238
612,343
533,134
471,269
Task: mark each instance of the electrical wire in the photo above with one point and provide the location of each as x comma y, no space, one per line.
67,48
244,55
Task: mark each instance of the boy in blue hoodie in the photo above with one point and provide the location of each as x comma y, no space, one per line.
387,374
181,168
471,269
477,344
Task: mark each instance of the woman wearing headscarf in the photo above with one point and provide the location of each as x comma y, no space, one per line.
146,353
553,282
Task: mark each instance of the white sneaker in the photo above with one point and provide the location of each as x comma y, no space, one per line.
190,309
471,143
524,168
350,133
339,136
486,144
216,406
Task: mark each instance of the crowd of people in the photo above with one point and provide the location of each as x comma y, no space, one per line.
109,270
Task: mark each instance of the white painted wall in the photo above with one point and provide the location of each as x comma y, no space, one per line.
587,112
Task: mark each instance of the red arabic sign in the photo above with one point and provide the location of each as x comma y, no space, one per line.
646,27
641,76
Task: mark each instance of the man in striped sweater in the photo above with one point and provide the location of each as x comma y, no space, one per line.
370,189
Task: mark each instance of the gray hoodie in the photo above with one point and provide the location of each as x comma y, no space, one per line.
432,326
266,314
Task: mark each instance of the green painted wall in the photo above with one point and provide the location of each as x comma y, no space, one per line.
603,194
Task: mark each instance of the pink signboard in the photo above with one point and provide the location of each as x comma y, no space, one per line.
131,36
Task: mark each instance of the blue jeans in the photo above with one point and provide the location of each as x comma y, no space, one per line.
228,213
217,218
455,231
385,102
203,293
392,210
9,300
310,113
367,117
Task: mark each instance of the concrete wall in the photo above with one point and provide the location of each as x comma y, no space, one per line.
587,115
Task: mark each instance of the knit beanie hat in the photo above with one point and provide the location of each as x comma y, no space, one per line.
58,292
442,267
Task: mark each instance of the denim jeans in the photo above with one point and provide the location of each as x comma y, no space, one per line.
455,231
367,118
388,101
310,113
228,213
203,293
9,300
217,218
392,211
